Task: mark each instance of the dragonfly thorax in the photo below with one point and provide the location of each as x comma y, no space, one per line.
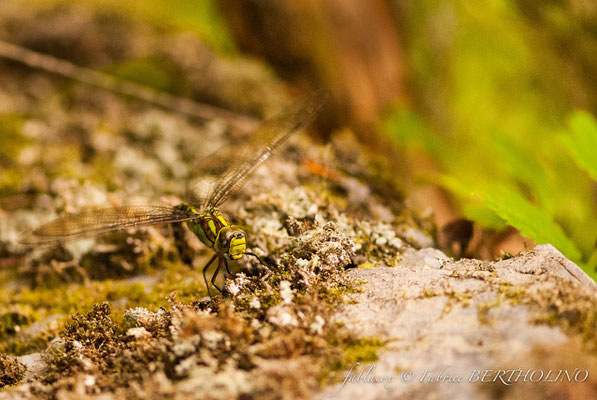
216,233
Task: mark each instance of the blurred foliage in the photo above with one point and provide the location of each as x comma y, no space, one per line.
516,211
150,71
490,106
582,141
12,143
198,16
11,138
493,85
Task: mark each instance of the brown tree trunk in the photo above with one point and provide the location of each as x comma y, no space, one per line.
347,46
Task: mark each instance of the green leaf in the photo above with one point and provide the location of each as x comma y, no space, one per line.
478,212
516,211
472,208
581,141
527,218
407,129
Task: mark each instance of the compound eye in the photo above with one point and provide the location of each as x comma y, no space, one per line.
223,241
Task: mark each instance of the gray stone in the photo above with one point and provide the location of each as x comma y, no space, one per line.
34,364
451,318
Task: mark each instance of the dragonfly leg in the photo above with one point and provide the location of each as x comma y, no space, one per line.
265,277
211,260
228,269
257,257
215,275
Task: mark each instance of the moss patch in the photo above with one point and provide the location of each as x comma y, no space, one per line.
277,314
570,309
353,350
11,371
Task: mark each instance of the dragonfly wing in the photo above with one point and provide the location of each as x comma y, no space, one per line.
95,222
222,173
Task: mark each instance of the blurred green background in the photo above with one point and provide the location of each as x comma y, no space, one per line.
492,103
502,102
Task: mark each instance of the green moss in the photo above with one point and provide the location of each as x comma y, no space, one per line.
456,274
506,256
351,351
11,371
12,321
483,310
429,293
565,306
485,267
514,294
335,294
63,299
570,309
93,336
100,335
359,350
454,297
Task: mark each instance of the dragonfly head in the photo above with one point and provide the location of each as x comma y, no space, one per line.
231,242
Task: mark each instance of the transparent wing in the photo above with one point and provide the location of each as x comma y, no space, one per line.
223,172
95,222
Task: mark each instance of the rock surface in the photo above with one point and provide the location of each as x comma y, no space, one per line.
450,319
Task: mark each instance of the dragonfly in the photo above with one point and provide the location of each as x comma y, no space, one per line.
214,180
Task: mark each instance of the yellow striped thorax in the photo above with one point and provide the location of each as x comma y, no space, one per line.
216,233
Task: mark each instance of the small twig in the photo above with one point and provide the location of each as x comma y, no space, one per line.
108,82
